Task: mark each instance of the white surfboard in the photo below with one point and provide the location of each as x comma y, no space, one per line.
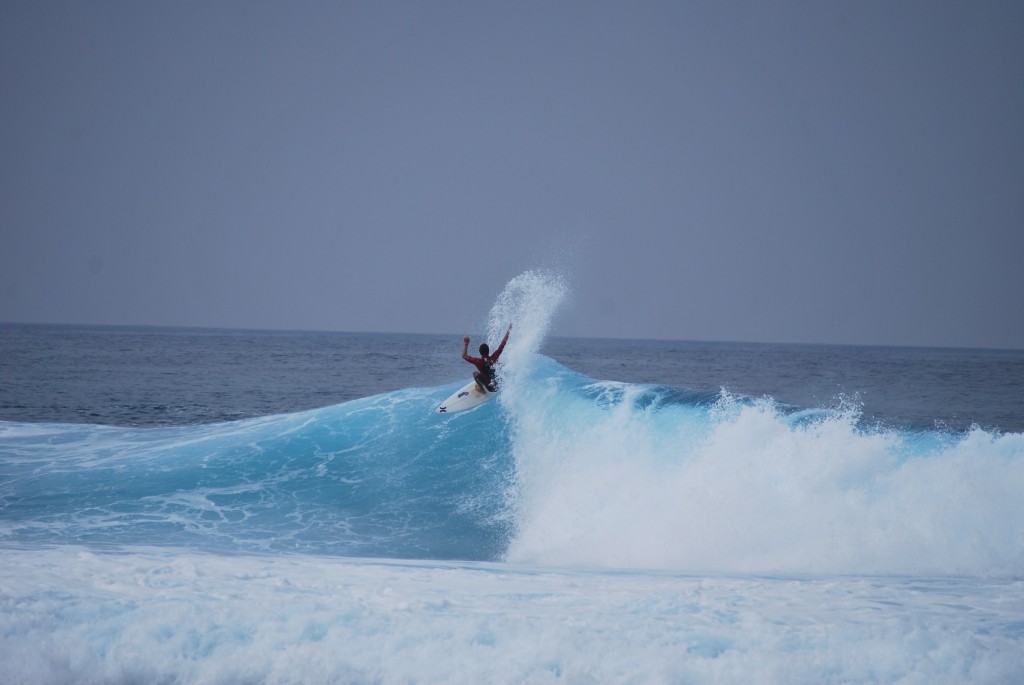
468,396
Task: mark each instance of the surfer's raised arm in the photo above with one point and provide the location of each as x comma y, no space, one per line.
501,345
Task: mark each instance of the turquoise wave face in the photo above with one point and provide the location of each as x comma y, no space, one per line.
380,476
559,470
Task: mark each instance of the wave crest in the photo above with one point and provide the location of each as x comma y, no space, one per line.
746,487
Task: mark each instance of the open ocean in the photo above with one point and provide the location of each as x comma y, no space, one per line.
220,506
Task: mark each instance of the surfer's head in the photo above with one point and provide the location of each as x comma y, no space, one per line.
485,351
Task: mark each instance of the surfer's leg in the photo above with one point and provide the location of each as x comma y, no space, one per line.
479,382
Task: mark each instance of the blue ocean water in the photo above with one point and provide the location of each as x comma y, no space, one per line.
238,506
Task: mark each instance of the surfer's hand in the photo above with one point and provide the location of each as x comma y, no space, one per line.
466,340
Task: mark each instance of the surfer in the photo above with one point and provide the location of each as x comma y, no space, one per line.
484,374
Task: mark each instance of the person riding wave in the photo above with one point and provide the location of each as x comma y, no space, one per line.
484,375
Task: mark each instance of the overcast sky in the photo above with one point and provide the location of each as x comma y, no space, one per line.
757,171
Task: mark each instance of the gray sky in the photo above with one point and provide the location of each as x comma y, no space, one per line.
757,171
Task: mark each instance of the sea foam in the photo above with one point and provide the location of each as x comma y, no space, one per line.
136,614
626,475
751,489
